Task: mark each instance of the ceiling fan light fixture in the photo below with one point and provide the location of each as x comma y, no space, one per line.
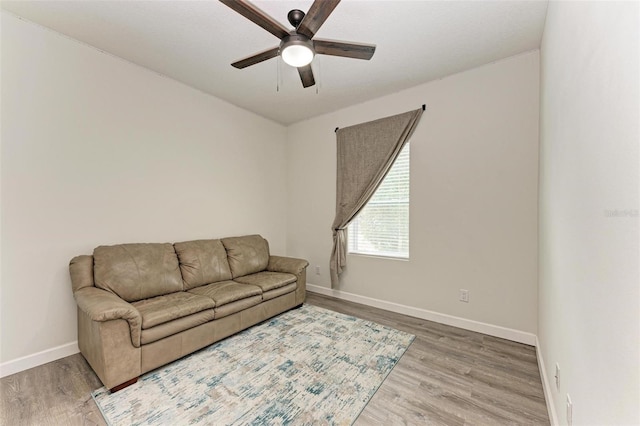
297,50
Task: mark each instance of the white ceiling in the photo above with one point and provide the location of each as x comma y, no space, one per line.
195,41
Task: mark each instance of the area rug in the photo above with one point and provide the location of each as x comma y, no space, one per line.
305,366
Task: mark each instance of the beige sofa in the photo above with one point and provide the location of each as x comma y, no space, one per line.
141,306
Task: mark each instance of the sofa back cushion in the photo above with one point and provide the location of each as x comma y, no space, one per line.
247,255
202,262
137,271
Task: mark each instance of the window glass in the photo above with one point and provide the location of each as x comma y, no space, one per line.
382,226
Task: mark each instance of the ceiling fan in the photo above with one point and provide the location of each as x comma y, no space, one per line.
298,47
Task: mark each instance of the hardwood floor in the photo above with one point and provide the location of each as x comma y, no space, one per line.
57,393
448,376
451,376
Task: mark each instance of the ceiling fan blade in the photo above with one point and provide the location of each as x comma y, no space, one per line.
257,16
306,75
346,49
257,58
315,17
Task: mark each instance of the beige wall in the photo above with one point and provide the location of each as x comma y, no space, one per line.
97,151
474,171
589,305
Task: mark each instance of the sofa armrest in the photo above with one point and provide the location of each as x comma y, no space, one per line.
101,305
81,270
286,264
297,267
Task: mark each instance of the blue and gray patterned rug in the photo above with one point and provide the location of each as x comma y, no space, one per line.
305,366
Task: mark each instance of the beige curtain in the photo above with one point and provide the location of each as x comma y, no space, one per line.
366,152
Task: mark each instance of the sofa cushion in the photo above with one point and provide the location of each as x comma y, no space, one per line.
267,280
137,271
202,262
247,255
224,292
277,292
169,307
176,326
237,306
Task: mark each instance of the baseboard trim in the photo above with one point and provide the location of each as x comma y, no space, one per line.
26,362
477,326
546,387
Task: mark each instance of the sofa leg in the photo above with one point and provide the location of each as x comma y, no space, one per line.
124,385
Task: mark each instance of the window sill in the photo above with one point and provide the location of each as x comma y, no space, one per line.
379,256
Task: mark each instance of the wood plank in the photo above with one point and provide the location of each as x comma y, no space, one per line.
52,394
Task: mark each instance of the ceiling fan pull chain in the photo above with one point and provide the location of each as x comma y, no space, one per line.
278,74
319,72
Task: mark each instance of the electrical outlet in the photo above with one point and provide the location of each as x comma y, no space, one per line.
557,376
464,295
317,270
569,411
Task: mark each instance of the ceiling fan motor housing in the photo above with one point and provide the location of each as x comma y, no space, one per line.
295,16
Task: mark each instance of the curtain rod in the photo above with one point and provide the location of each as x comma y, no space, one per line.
424,107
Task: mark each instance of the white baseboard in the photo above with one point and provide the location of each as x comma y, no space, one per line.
26,362
548,396
480,327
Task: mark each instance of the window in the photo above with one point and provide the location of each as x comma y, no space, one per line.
382,226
